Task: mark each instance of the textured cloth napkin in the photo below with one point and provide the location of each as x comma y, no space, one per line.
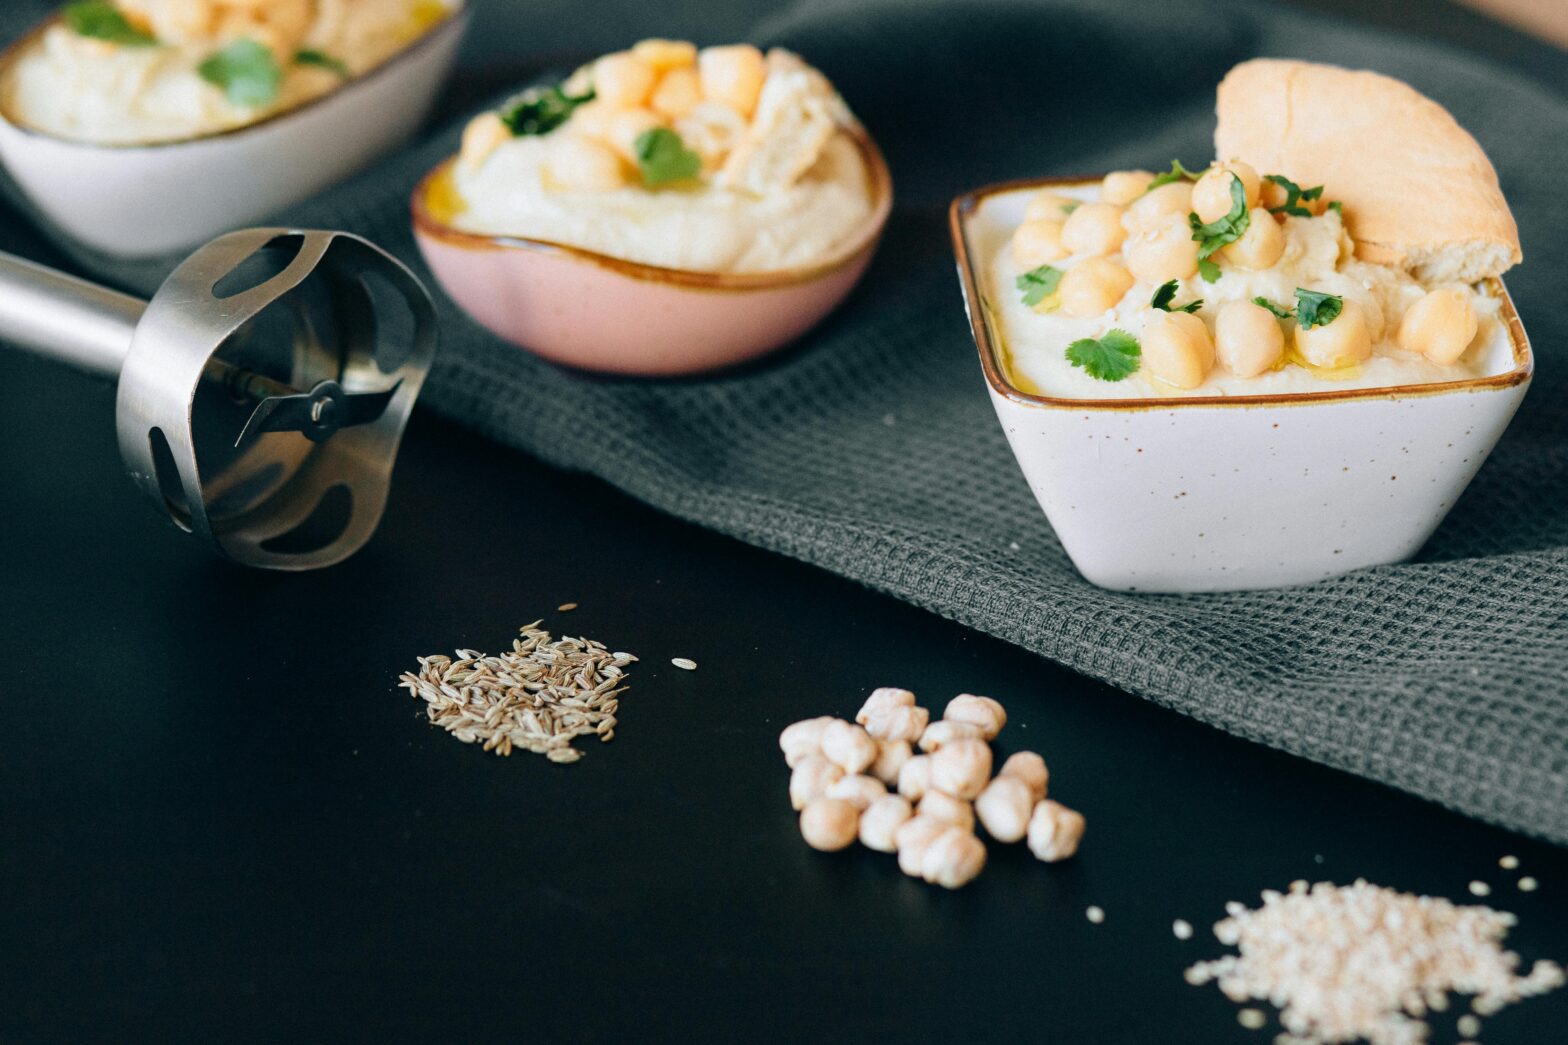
871,450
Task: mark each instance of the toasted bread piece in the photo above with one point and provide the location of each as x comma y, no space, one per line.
1418,192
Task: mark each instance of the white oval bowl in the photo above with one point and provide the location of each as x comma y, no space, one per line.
1209,493
144,200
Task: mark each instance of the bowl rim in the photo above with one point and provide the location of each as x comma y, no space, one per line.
991,349
455,20
881,178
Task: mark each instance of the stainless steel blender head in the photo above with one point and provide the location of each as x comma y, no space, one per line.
264,389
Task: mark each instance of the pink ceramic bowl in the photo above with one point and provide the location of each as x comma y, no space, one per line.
597,312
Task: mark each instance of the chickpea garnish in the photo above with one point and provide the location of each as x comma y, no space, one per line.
880,821
1094,229
1260,246
1247,338
1054,831
585,165
811,779
914,777
829,824
1093,287
733,76
484,134
859,791
1030,768
945,732
623,81
939,805
678,93
1211,192
987,714
1004,807
1177,349
961,768
1163,252
1171,199
1049,206
664,55
1037,243
848,746
891,756
1343,342
1122,187
1441,325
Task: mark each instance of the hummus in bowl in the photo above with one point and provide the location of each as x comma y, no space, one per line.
142,127
664,210
1245,377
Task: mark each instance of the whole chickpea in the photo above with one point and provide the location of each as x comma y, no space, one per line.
1211,192
1247,338
859,791
1162,252
664,55
1037,243
1177,349
914,777
1093,287
891,756
829,824
987,714
678,93
1004,807
1030,768
898,723
945,732
623,127
484,134
912,837
623,81
585,165
952,859
880,822
733,76
1122,187
1260,246
848,746
1054,831
1173,199
1048,206
811,779
1342,343
939,805
961,768
802,739
884,698
1441,325
1094,229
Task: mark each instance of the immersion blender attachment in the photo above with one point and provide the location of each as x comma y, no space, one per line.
264,389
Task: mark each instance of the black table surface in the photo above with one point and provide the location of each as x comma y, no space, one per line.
222,821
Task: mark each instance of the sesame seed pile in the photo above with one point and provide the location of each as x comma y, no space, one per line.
1346,963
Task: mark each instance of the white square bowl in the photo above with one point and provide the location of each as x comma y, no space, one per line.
1225,493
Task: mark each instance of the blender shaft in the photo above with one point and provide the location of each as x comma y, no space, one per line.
65,318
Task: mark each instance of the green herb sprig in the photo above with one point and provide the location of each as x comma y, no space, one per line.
1166,294
100,20
1110,358
1313,308
540,110
322,60
1280,311
1176,173
246,71
663,157
1294,195
1214,235
1038,284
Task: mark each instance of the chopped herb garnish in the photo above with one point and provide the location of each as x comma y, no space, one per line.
1317,310
1038,284
1294,194
540,110
1109,358
1176,173
1070,206
1216,234
322,60
1166,294
101,20
1279,310
247,72
663,157
1337,207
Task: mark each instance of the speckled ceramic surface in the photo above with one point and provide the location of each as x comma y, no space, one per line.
143,201
1215,494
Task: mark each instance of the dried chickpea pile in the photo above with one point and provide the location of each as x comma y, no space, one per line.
841,773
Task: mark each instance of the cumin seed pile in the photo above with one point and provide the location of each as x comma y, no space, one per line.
539,697
1346,963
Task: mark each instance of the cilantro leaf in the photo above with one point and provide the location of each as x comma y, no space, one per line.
1337,207
322,60
1070,206
1214,235
1109,358
1038,284
1176,173
1278,310
247,71
101,20
663,157
1166,294
540,110
1314,309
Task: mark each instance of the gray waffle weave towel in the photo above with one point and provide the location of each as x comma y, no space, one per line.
870,449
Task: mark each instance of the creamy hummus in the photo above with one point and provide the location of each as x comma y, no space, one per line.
1317,255
94,90
777,178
